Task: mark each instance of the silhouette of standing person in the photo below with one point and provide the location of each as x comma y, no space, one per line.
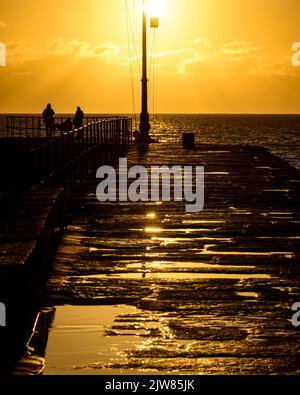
48,115
78,121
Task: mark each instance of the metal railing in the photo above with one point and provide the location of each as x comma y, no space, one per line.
69,158
33,126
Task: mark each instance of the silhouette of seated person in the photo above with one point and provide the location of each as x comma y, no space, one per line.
139,138
65,127
78,120
48,116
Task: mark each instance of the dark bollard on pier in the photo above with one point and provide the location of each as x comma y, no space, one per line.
188,140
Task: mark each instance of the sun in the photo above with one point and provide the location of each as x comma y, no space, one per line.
155,8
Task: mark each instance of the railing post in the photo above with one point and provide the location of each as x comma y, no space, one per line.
39,127
119,136
98,136
20,126
7,126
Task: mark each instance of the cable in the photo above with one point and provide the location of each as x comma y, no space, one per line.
130,63
133,37
153,79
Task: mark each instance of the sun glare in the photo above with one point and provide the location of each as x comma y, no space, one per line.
155,8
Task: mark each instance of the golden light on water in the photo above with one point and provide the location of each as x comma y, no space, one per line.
151,215
153,229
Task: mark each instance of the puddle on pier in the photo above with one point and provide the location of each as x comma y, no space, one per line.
157,229
185,265
77,339
86,340
251,295
198,221
175,276
217,173
102,339
208,251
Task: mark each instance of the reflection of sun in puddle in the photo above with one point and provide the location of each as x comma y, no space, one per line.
198,221
156,229
173,276
184,265
93,249
248,294
277,213
217,173
151,215
153,229
207,251
164,241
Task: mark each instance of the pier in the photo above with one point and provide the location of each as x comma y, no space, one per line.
203,293
37,173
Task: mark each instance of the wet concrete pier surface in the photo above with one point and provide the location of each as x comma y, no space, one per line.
148,288
31,226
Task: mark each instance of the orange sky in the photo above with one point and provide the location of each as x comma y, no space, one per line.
212,56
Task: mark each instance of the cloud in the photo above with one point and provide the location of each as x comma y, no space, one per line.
203,58
202,41
177,60
240,48
3,25
105,51
23,51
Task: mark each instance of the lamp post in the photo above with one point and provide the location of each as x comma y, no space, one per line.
144,117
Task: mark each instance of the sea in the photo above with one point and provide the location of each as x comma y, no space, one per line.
278,133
